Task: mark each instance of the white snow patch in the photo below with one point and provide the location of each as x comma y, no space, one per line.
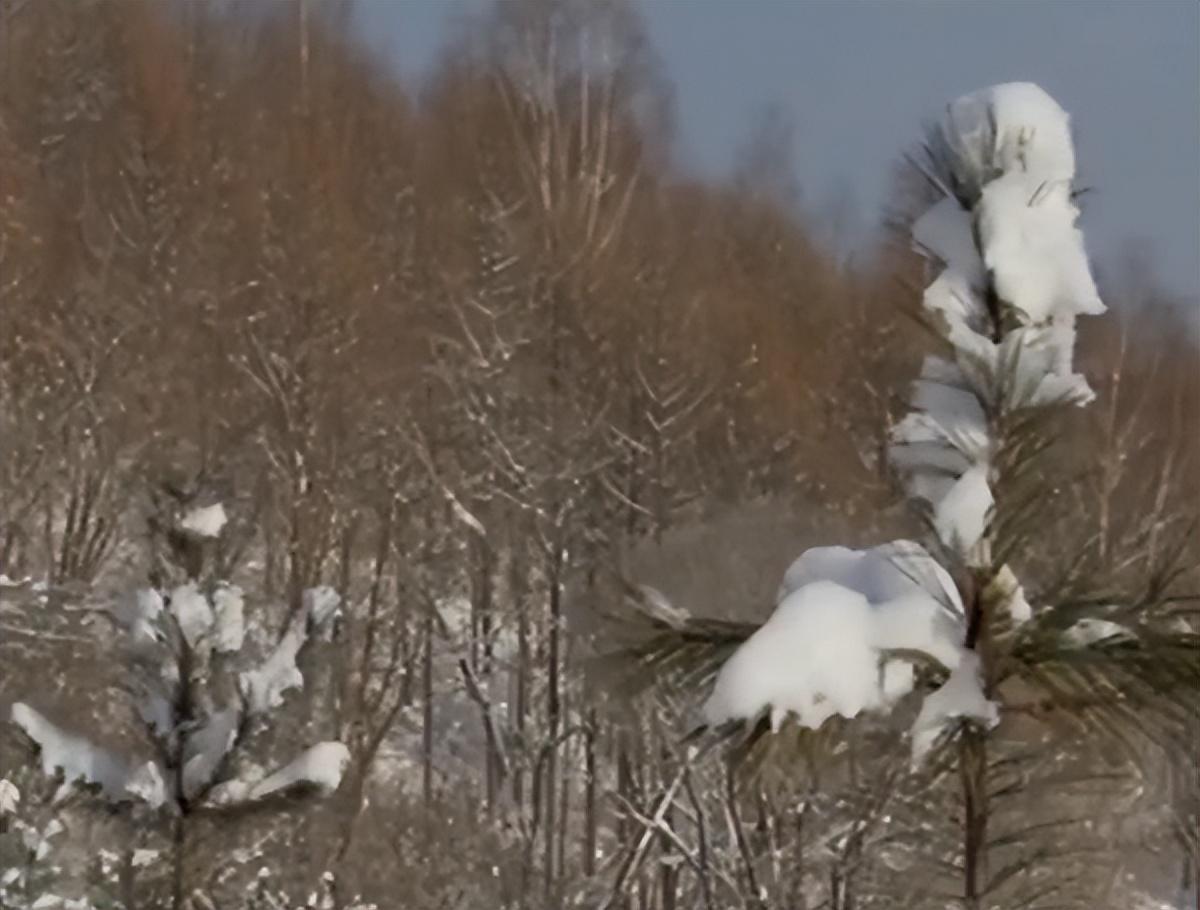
1015,126
143,857
1032,248
205,749
902,568
824,649
1010,592
10,797
320,766
75,756
147,784
1089,631
205,521
960,517
945,231
321,604
961,696
40,841
81,760
191,610
263,688
230,623
141,616
1019,609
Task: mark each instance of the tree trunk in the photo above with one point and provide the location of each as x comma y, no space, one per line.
427,718
589,795
972,762
178,854
553,715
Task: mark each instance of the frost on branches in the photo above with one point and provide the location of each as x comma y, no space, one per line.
1014,276
201,689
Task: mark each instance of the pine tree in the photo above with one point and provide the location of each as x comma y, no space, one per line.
954,621
207,681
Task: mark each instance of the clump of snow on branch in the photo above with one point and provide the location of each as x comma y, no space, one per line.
10,797
320,766
1014,277
230,623
80,760
889,572
264,686
205,521
827,649
192,611
1091,630
959,697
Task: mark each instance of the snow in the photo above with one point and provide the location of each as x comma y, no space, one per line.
955,412
78,759
154,709
230,623
142,620
945,231
143,857
192,612
206,521
147,784
960,517
943,446
10,797
205,749
263,687
1032,132
320,766
81,760
961,696
894,570
824,650
55,902
1089,631
1033,250
321,605
1019,609
1007,590
952,299
38,842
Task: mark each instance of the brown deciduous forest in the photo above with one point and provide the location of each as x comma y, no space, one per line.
480,356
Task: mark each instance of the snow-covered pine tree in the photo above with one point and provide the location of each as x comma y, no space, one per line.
952,625
205,678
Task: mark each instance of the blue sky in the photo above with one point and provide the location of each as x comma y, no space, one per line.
858,78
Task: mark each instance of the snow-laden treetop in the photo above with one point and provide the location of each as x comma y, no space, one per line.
1014,276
